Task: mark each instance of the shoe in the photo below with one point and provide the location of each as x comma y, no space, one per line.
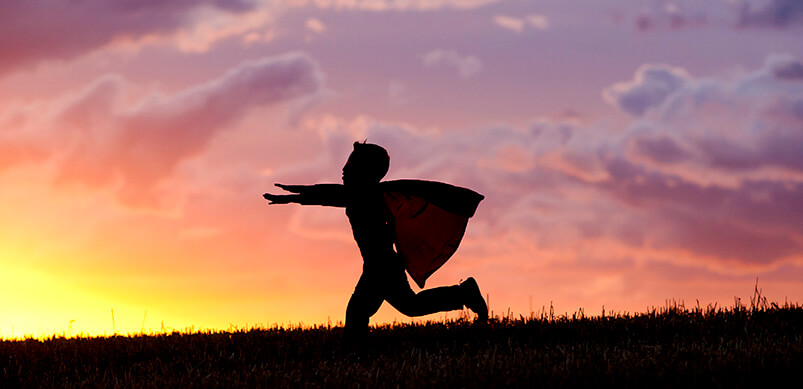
472,298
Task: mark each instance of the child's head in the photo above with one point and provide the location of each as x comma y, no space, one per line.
368,163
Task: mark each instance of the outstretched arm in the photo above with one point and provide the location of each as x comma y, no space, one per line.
294,188
332,195
281,199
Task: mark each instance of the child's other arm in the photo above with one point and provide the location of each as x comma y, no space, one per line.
332,195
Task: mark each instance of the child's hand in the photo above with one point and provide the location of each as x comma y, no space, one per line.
276,199
291,188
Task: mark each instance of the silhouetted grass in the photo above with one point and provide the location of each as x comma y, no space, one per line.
760,346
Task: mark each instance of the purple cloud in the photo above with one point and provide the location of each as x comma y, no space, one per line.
772,13
711,167
757,222
668,16
733,127
35,31
660,149
762,122
710,146
785,68
650,87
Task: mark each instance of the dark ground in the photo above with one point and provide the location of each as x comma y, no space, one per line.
671,347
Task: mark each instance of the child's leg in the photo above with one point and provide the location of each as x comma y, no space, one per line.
446,298
364,303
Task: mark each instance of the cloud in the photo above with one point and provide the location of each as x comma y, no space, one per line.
785,68
746,125
708,175
518,25
467,66
720,160
651,85
668,15
94,142
210,26
315,25
529,197
772,13
510,23
14,152
741,224
36,31
540,22
673,15
392,5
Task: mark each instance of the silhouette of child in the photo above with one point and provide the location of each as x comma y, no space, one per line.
367,200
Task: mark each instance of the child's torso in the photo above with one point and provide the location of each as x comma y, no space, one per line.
371,224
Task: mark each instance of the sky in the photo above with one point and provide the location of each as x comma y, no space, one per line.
631,153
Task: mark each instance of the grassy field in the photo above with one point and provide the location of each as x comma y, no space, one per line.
757,346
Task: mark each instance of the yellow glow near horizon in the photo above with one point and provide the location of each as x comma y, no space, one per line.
39,304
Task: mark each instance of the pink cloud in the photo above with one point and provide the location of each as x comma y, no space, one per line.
315,26
35,31
14,152
95,142
392,5
519,24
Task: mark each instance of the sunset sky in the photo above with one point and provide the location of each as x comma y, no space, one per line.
630,152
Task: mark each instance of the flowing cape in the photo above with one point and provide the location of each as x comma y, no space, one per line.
430,220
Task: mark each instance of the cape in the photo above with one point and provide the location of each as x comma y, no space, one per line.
430,219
